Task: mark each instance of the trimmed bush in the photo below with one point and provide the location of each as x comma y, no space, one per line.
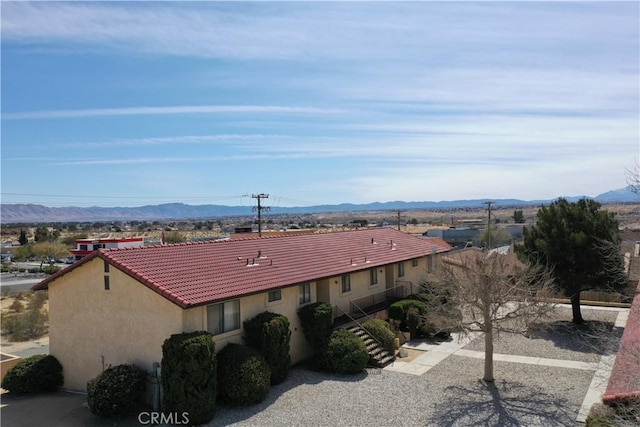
317,320
398,310
115,390
413,321
189,375
269,334
50,269
244,377
35,374
345,353
382,332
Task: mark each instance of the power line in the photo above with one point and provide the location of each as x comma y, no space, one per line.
489,203
260,208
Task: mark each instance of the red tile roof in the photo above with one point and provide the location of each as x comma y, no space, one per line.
624,382
192,274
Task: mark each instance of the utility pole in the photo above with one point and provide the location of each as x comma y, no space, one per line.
399,219
260,208
488,203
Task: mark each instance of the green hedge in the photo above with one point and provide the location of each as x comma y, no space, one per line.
398,310
382,332
317,321
269,333
35,374
244,376
345,353
115,390
189,375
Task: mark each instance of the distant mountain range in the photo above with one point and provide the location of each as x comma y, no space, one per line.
32,213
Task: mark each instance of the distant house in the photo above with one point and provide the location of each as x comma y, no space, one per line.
85,247
119,305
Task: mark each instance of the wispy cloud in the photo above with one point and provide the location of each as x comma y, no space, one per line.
261,30
179,109
174,140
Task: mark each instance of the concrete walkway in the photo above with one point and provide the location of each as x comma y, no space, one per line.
436,353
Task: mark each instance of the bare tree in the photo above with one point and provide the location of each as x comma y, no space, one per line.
633,179
492,293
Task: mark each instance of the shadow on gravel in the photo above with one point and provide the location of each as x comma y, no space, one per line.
501,404
58,409
594,336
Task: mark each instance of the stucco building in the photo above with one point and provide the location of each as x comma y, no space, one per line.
119,305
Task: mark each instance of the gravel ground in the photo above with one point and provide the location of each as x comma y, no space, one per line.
448,395
560,339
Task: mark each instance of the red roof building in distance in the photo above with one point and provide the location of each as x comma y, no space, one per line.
624,383
193,274
85,247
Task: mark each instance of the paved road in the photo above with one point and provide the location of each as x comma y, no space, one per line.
19,283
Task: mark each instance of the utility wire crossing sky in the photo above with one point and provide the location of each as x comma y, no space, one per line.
131,103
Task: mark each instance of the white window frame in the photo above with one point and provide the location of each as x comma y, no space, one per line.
228,313
275,295
345,283
304,293
373,276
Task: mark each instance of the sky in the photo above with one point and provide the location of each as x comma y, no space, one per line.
138,103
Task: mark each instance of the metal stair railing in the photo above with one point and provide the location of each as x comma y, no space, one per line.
354,321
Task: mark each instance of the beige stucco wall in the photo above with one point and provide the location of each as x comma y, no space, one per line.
359,288
92,328
251,306
330,290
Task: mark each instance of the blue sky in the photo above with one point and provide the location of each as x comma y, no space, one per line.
135,103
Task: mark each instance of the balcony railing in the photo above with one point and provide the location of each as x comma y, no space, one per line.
379,301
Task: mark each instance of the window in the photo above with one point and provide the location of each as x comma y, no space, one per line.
305,293
346,283
106,283
83,247
106,267
275,295
373,277
400,269
431,263
414,262
223,317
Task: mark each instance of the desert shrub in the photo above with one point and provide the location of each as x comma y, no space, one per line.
269,333
382,332
16,306
244,377
115,390
622,413
35,374
316,320
345,353
37,299
50,269
189,375
25,325
31,270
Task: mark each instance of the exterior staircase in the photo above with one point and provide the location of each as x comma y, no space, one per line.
378,356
